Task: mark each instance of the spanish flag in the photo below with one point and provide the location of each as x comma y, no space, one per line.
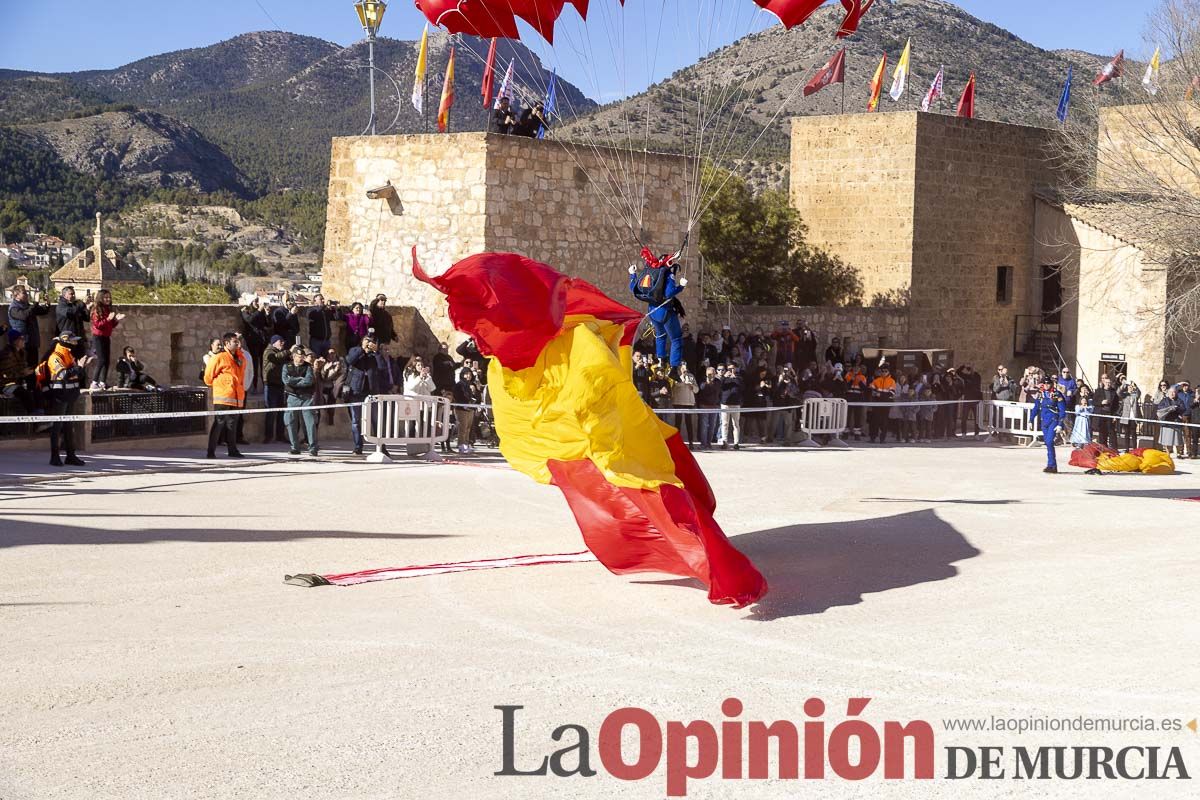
447,95
877,85
568,414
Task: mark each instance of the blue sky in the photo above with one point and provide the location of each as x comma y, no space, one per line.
69,35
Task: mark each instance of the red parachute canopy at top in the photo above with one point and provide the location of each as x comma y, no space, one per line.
489,19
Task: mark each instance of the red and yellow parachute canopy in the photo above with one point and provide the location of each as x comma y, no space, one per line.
498,18
568,414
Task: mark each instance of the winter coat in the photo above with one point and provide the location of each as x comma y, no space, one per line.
14,367
319,323
1002,388
381,321
71,317
273,362
102,325
225,374
709,394
299,381
131,374
731,391
22,317
366,373
683,393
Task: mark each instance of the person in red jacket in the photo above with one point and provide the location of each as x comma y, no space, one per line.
104,321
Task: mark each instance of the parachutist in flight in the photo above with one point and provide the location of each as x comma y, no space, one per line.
655,283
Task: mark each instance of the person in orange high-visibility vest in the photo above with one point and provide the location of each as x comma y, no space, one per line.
226,373
883,390
856,392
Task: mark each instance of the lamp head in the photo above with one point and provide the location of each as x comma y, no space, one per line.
370,15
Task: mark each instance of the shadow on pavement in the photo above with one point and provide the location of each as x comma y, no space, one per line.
1150,494
21,533
813,568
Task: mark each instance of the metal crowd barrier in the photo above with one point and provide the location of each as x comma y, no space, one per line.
823,416
416,422
1010,418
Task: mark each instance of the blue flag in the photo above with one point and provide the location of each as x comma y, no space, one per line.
551,101
1064,104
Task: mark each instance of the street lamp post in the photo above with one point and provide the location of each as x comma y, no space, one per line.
370,15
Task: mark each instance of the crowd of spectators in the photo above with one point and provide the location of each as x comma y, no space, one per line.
509,118
733,388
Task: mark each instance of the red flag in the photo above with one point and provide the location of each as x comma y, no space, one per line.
489,74
443,118
855,10
833,72
966,105
1112,69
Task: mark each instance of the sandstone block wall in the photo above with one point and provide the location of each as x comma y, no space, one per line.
1148,133
852,180
170,339
932,204
465,193
974,213
865,327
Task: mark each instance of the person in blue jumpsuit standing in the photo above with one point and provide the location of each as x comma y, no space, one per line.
656,285
1050,409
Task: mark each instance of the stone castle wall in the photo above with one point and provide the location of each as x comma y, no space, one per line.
865,327
169,339
931,204
974,213
1129,130
852,180
465,193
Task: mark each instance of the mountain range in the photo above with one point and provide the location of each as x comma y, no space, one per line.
254,114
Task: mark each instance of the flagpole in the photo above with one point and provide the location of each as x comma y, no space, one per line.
425,101
843,88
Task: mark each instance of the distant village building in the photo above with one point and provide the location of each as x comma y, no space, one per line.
22,282
94,268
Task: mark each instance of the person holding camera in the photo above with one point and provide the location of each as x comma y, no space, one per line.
366,374
708,396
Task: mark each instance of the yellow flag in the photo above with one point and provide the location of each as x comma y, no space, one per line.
900,78
1151,79
877,84
418,92
443,118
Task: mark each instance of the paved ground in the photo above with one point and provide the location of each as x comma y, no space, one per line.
148,647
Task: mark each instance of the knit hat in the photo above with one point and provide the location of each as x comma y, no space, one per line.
277,338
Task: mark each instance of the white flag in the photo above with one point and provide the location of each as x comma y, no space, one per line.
935,91
1151,79
900,78
418,92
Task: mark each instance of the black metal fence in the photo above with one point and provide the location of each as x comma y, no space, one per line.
166,401
12,407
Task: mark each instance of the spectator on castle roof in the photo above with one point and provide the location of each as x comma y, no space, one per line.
503,117
532,121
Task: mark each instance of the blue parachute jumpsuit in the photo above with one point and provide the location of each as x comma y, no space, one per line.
1050,410
663,316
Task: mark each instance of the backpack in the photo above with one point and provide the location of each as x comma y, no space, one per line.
651,285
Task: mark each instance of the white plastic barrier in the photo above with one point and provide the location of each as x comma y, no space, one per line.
823,416
416,422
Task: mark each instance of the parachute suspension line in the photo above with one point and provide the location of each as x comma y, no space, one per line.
530,72
787,100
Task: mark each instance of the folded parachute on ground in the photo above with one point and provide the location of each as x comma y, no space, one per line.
1144,460
1127,462
1157,462
1086,456
497,18
568,414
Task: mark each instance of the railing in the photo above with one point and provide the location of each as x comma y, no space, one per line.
416,422
165,401
12,407
1035,334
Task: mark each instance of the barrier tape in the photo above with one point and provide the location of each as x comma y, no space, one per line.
36,419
